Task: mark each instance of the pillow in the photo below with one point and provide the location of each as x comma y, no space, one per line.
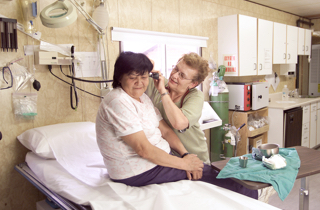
36,139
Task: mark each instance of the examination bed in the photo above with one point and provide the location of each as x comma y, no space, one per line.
66,165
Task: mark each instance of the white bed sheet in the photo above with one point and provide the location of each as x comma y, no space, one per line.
182,195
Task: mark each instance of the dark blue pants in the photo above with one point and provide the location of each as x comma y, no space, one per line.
161,174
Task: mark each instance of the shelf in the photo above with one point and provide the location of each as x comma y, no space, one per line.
213,124
238,118
258,131
210,123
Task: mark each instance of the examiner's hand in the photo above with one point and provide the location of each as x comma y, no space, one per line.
193,163
159,83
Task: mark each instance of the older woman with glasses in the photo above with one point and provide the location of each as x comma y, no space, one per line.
134,140
180,103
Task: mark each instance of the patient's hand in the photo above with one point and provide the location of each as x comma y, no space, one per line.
196,175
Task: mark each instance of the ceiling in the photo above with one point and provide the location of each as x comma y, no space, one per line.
304,8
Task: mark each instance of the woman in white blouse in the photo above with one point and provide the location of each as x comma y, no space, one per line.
134,140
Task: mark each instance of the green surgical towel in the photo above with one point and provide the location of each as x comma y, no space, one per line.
282,180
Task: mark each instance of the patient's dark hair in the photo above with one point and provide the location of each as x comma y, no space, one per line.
129,62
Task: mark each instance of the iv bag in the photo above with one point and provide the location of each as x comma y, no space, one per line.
30,9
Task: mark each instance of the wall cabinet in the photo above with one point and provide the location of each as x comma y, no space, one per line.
265,42
248,46
292,44
304,41
279,43
285,44
237,45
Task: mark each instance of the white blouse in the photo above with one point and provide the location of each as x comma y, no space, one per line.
121,115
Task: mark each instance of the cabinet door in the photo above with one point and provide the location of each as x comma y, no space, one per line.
228,43
313,125
305,135
279,43
301,45
307,42
292,44
306,114
247,45
293,127
265,39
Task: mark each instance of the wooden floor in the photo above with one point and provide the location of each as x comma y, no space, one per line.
292,201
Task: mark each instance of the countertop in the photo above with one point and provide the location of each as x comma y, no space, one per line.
275,102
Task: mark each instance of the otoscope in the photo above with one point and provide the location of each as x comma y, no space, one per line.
154,75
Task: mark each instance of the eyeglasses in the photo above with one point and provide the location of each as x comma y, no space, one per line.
180,74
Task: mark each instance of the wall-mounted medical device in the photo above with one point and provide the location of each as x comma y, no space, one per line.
51,58
9,39
63,13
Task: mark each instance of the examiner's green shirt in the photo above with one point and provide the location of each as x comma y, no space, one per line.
193,138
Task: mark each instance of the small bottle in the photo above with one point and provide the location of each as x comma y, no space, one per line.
285,92
295,93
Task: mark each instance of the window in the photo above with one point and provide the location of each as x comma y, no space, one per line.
164,56
156,52
164,48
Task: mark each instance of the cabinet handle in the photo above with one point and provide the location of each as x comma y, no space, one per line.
307,48
284,56
260,66
288,56
255,66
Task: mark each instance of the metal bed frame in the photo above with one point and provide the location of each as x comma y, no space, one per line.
58,200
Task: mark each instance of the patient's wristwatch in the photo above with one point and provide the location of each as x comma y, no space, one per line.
187,153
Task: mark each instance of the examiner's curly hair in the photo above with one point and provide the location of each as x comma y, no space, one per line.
196,62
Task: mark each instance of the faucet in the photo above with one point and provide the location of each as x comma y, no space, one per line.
294,93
